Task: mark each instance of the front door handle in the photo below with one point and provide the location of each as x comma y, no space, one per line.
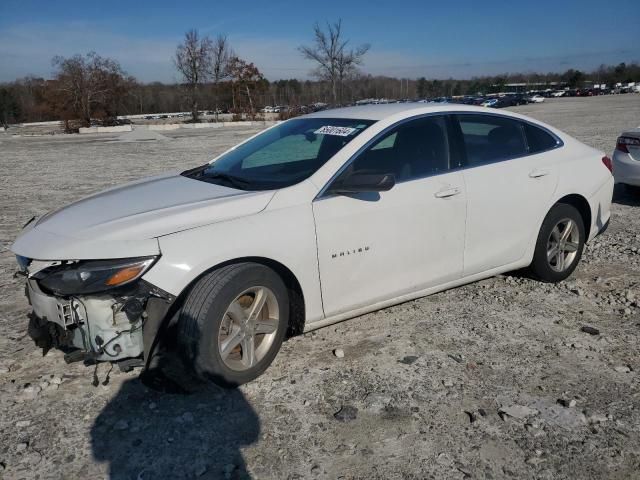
447,192
539,172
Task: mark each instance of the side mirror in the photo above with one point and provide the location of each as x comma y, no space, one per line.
363,182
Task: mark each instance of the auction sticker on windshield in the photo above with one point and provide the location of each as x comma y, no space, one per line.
339,131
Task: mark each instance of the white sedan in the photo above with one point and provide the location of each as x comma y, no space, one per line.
626,158
313,221
536,99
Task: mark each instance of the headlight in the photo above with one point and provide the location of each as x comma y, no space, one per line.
92,276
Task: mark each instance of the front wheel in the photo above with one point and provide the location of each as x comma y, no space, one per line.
559,245
233,323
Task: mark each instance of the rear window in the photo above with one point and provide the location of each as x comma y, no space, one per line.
538,139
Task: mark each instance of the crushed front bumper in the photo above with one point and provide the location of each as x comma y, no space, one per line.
101,325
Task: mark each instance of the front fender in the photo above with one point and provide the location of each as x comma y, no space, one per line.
285,235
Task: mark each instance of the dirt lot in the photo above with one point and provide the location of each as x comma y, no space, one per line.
491,380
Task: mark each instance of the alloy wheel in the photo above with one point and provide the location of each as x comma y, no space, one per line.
563,244
248,328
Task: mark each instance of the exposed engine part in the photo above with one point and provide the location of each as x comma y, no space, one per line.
133,308
80,356
129,364
104,327
48,335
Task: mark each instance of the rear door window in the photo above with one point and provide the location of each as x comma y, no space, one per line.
538,139
491,138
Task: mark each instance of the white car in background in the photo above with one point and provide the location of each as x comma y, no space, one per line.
626,158
315,220
536,99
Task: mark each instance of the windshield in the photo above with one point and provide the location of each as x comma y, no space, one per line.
283,155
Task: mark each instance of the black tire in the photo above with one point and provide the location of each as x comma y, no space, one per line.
202,315
540,267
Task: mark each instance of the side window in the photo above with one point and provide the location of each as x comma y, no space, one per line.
537,139
415,149
388,142
491,138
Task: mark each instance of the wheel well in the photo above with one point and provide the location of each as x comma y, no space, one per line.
296,297
583,207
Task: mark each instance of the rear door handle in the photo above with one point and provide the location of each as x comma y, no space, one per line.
447,192
539,172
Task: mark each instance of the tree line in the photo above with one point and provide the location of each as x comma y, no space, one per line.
214,78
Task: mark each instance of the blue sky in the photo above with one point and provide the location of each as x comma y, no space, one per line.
411,38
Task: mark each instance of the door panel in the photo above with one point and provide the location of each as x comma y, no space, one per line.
508,190
377,246
504,211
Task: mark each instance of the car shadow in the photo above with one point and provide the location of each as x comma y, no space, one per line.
146,434
624,195
168,424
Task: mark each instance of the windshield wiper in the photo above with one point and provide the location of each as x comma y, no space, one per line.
236,182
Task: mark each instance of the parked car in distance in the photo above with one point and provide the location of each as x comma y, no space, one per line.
110,122
626,158
511,100
519,99
313,221
536,99
490,102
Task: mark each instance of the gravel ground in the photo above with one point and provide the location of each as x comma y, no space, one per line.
492,380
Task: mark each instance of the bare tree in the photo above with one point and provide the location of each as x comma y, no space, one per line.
221,55
334,61
193,59
86,85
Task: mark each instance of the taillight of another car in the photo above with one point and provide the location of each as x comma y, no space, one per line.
607,163
623,143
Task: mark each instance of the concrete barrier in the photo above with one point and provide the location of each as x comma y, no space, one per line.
203,125
116,129
38,124
169,126
174,126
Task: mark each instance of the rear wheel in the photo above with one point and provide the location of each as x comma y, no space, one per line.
559,245
233,323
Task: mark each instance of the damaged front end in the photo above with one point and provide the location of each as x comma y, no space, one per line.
94,310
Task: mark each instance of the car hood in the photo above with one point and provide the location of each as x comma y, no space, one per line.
126,221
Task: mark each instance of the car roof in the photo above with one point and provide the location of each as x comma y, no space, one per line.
380,112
